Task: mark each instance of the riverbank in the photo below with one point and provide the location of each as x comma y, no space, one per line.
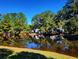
46,53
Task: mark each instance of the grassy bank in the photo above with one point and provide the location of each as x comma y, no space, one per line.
45,53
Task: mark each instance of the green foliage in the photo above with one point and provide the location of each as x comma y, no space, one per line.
71,26
47,19
27,55
44,21
69,14
4,53
9,54
66,18
11,25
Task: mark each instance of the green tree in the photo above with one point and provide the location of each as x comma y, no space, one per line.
69,14
44,21
72,26
11,26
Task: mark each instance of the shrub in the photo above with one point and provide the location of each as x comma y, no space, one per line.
27,55
4,53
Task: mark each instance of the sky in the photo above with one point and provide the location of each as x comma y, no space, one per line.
30,7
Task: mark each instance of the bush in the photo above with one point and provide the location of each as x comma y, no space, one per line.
27,55
7,54
4,53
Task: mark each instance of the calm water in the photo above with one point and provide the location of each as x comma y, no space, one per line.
33,45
